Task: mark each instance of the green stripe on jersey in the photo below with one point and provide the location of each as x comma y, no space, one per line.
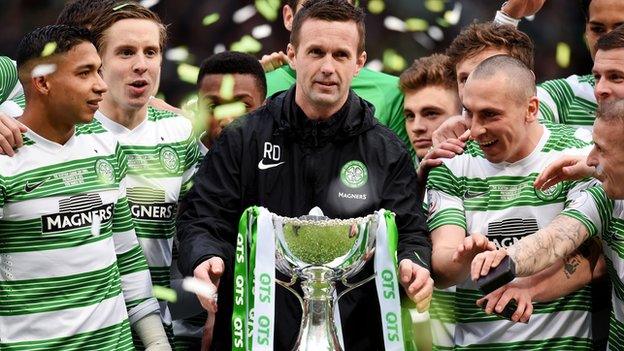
8,77
552,344
113,338
569,101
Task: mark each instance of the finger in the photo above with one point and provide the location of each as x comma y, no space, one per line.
405,270
6,148
490,246
7,134
452,147
423,305
459,252
487,263
491,304
15,130
441,153
480,301
469,243
498,258
425,292
465,136
503,301
420,278
527,313
519,311
477,265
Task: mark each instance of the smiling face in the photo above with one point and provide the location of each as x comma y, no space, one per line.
76,87
498,119
131,58
604,16
607,156
609,73
425,109
326,59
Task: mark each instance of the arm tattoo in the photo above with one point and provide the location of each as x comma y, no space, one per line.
558,240
570,265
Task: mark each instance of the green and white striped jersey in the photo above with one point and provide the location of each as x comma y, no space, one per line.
499,200
569,101
162,152
12,99
605,217
63,285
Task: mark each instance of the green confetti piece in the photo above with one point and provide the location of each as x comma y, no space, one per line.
416,24
210,19
231,110
48,49
227,87
434,5
188,73
165,294
563,55
393,61
442,22
247,44
376,6
267,10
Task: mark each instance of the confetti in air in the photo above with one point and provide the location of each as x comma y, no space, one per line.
43,70
247,44
149,3
227,87
243,14
394,23
210,19
453,16
199,287
563,55
231,110
268,9
95,226
375,65
188,73
219,48
416,24
435,33
261,31
119,7
442,22
376,6
48,49
178,54
165,294
434,5
393,61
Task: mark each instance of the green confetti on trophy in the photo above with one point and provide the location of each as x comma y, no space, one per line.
227,87
188,73
318,245
376,6
210,19
416,24
231,110
48,49
165,294
563,55
434,5
246,44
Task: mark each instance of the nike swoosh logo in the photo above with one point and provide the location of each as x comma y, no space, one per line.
472,195
263,166
30,187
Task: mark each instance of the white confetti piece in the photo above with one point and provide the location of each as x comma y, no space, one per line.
219,48
199,287
149,3
243,14
394,23
43,70
375,65
261,31
452,16
178,54
435,33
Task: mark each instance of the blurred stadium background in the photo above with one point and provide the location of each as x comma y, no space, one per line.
398,31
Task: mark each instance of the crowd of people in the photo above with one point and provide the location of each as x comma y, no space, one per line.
107,191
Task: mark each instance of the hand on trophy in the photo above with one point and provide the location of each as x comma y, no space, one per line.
417,282
514,294
472,245
209,271
483,262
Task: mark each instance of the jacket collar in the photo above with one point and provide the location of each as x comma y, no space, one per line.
354,118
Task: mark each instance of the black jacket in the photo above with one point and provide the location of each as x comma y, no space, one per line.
278,158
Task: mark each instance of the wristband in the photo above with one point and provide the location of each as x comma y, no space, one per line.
504,19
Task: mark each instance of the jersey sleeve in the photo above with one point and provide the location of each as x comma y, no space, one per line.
547,107
8,78
592,208
135,277
445,199
2,197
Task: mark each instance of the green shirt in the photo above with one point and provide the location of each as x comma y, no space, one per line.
380,89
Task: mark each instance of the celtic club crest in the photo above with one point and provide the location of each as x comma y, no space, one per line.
169,159
354,174
105,171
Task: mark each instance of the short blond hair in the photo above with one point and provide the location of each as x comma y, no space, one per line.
433,70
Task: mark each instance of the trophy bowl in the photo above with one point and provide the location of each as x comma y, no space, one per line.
320,251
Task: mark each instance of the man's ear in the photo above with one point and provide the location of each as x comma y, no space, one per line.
288,14
533,109
291,53
41,84
360,62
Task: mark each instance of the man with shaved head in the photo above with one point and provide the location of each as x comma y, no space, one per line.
484,199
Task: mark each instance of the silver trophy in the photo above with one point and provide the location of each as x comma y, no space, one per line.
321,251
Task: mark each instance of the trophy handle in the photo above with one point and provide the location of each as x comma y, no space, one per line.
287,286
353,286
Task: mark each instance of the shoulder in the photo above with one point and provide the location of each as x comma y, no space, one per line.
170,121
564,137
